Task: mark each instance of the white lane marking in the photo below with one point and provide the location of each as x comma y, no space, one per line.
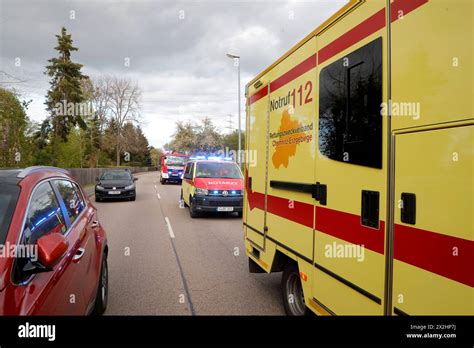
157,194
170,229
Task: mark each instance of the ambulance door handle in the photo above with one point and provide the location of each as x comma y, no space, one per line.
249,183
408,210
369,215
320,193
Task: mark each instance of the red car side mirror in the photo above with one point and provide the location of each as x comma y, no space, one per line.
50,249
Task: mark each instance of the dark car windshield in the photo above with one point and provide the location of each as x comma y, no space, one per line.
116,175
218,170
8,198
174,161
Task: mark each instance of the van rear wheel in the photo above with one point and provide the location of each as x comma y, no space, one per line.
292,291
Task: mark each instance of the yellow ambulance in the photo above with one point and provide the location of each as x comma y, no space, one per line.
362,192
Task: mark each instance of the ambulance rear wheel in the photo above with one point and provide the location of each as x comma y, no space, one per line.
162,181
292,291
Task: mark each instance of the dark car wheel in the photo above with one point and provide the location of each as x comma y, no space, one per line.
292,291
102,290
192,209
134,196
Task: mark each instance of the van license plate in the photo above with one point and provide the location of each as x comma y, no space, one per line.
225,208
114,192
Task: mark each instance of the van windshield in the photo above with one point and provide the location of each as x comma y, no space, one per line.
174,161
218,170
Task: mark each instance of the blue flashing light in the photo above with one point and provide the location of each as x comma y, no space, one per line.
234,192
40,221
211,158
216,192
51,213
44,218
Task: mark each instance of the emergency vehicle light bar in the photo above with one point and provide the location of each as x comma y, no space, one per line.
211,158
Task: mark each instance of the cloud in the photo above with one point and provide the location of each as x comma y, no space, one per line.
176,49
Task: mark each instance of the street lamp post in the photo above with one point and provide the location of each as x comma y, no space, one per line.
237,58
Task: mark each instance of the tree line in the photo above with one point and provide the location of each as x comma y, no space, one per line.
202,137
92,122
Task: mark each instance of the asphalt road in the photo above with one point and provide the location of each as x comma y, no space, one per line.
197,268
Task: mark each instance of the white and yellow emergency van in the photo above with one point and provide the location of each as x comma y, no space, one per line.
362,193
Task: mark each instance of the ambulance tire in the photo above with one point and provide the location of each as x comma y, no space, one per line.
162,181
292,291
192,211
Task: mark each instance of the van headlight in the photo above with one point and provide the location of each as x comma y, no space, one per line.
99,187
201,191
130,187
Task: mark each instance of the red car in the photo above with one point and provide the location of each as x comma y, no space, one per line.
53,250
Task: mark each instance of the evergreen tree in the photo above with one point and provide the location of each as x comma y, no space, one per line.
65,89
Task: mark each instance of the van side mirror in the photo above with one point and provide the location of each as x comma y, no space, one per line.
135,179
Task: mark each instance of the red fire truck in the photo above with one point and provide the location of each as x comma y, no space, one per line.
172,166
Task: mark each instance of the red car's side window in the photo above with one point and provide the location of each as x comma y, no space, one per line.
72,198
44,215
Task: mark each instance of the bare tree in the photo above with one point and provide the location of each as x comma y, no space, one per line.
98,91
124,106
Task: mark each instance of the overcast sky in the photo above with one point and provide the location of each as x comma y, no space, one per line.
176,49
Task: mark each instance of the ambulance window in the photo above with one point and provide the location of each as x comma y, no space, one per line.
350,122
187,171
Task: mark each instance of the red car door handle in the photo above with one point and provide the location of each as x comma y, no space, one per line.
79,254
